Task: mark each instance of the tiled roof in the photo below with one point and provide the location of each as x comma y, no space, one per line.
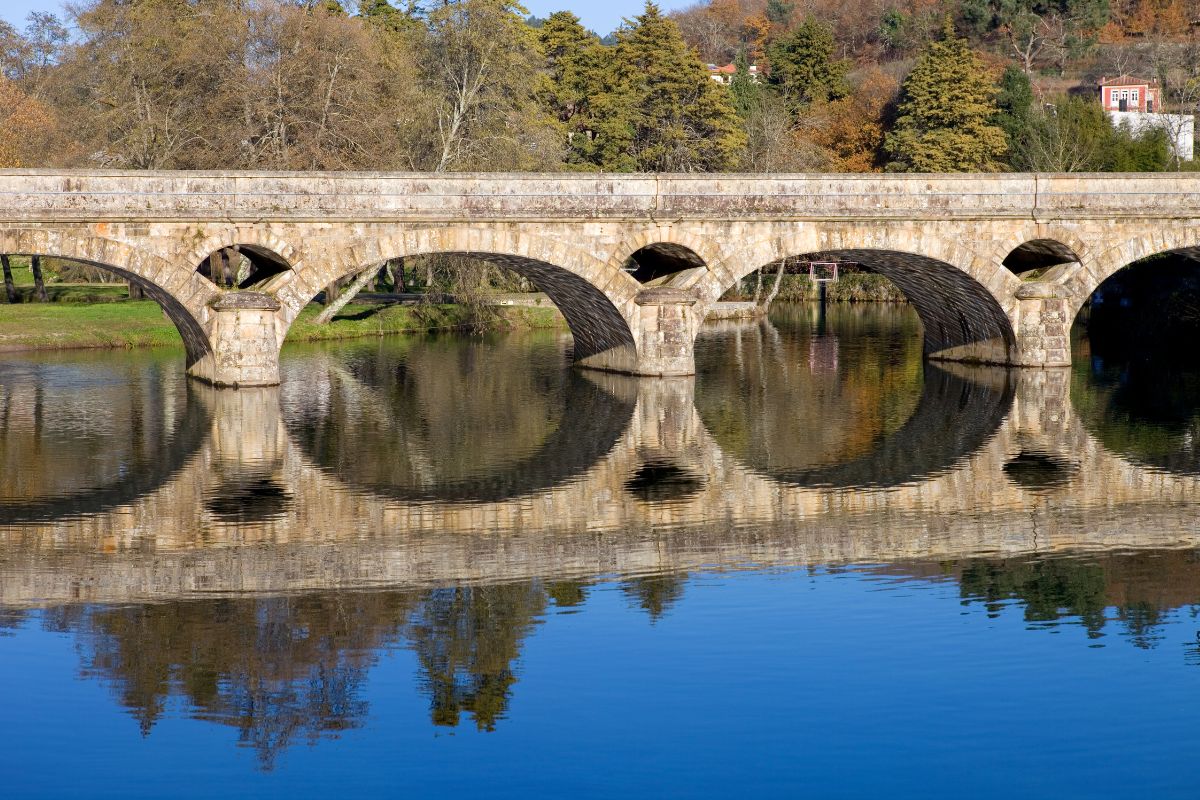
729,69
1125,80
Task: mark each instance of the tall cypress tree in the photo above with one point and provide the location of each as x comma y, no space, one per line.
946,113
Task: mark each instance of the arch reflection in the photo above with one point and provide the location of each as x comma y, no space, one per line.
82,435
1145,412
442,420
845,402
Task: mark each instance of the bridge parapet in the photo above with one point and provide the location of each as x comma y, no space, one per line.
257,196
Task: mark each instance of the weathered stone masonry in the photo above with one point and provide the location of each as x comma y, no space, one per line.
944,240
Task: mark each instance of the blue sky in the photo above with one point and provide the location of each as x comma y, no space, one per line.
602,16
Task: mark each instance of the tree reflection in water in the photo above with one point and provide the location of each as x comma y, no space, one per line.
289,670
467,639
280,670
1134,590
285,670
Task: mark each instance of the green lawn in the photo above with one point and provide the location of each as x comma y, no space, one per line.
69,324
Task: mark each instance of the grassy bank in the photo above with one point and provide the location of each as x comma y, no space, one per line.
850,287
129,324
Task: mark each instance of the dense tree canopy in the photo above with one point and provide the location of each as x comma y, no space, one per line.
681,120
803,65
480,85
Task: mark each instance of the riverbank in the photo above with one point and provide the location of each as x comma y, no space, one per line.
141,323
850,287
101,317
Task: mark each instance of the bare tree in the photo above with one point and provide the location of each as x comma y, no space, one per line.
1028,35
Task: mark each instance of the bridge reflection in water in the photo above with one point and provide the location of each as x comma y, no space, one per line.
365,471
354,469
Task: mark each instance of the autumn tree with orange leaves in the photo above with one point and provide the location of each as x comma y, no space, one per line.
26,127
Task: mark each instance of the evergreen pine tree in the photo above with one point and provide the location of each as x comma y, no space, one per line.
577,89
384,15
779,12
1015,103
743,89
946,113
803,67
682,121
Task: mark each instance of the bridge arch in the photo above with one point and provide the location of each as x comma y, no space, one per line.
596,298
964,300
1096,269
697,255
1042,259
272,259
183,294
1043,245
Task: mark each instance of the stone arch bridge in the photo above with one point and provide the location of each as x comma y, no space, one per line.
633,262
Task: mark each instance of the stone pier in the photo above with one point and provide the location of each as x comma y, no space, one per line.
665,326
1043,325
245,342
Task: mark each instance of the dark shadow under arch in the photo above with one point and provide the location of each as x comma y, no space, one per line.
1036,256
1147,306
1136,377
195,340
955,309
659,262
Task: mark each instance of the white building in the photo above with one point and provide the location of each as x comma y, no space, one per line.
724,75
1180,128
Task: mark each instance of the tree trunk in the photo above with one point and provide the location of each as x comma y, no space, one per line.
10,287
758,287
227,270
216,268
364,277
135,291
39,284
775,288
332,291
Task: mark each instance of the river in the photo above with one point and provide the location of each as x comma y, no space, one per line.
452,564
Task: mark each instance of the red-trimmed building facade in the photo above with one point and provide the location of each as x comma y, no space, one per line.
1130,94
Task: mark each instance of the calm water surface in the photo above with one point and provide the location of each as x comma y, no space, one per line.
452,564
